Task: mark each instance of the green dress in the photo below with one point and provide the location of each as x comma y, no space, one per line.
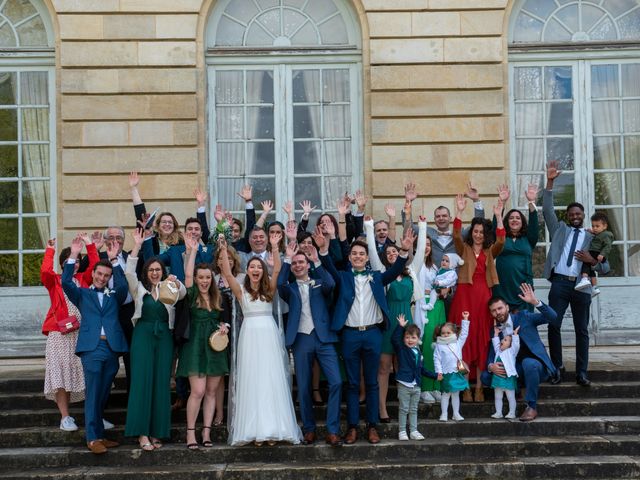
514,265
196,358
149,408
436,317
399,295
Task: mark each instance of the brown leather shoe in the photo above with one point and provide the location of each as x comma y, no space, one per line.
529,415
334,440
309,438
372,435
466,396
179,404
478,395
351,436
109,443
97,447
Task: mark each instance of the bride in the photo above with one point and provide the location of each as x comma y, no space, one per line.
264,409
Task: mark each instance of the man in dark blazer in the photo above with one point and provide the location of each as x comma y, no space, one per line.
308,333
532,364
569,250
361,314
100,339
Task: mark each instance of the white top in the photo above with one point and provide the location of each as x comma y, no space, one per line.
445,357
446,279
306,320
425,276
508,356
364,310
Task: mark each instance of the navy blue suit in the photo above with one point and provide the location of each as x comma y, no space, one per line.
409,369
99,356
317,344
533,366
361,347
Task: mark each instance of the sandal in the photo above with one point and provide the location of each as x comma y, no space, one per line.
207,443
192,446
156,442
146,446
218,423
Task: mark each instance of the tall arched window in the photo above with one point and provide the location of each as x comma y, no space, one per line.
27,140
284,101
575,97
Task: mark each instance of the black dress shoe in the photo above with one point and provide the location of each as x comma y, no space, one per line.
561,369
385,420
556,379
583,381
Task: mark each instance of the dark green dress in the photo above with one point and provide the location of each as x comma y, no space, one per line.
196,358
149,408
399,295
514,265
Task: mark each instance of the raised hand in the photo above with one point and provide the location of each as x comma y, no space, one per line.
531,193
553,169
361,200
51,243
269,258
329,229
461,203
410,193
134,179
274,240
497,208
390,210
465,315
138,237
504,193
222,243
190,242
76,246
291,230
312,254
200,196
422,218
307,208
318,238
267,206
408,239
527,294
472,192
343,207
218,213
291,250
97,239
112,250
288,208
246,193
85,238
401,320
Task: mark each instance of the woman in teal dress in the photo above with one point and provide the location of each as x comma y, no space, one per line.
197,360
515,263
149,408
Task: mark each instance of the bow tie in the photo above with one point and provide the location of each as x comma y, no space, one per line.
98,290
444,234
361,272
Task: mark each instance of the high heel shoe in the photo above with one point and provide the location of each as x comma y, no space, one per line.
192,446
466,396
207,443
478,395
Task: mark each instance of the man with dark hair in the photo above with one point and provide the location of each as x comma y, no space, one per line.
258,241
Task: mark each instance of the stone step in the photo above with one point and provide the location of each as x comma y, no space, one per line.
522,468
471,427
549,408
431,449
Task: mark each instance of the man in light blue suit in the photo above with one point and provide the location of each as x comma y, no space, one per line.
361,314
309,335
100,339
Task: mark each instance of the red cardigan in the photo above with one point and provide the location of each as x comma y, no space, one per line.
51,280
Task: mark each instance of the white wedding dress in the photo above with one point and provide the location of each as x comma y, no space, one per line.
263,409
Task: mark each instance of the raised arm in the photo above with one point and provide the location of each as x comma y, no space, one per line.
390,210
458,241
498,245
374,259
91,244
132,262
418,258
201,212
225,269
343,207
189,265
250,213
68,285
548,212
464,331
531,193
47,273
267,206
274,240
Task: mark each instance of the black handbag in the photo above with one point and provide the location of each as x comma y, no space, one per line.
182,326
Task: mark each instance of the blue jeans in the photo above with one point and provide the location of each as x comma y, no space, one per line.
408,398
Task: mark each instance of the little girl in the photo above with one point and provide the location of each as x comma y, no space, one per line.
446,355
446,276
506,351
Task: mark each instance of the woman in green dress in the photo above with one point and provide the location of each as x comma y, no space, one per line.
149,408
197,360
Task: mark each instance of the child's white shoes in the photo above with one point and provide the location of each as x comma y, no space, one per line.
510,415
595,292
416,435
403,436
443,418
497,415
457,417
583,284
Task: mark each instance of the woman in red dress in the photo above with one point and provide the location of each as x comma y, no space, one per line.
475,278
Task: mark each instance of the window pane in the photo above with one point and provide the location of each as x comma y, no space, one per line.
608,187
634,260
529,119
33,88
306,157
307,188
8,125
528,83
7,37
293,21
606,117
337,121
527,29
306,122
569,17
35,233
259,122
606,152
35,160
334,188
334,31
306,85
523,182
8,88
530,155
227,193
335,85
8,197
559,118
561,149
230,159
229,87
270,20
259,86
630,84
590,16
633,223
8,161
307,35
605,30
616,261
632,181
337,157
35,197
32,33
260,158
558,82
540,8
264,189
229,122
604,81
229,33
564,191
538,258
8,270
35,124
632,152
257,36
631,115
630,25
8,233
243,11
616,221
31,268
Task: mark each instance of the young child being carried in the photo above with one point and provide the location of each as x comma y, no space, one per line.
406,343
506,351
447,360
600,248
446,276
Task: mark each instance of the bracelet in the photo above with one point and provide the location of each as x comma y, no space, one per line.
403,249
342,222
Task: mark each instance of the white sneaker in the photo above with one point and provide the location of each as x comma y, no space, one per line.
416,435
510,416
457,417
595,292
497,415
426,397
436,394
68,424
107,424
443,418
403,436
583,284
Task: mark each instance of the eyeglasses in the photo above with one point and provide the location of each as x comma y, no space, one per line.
166,222
115,237
153,270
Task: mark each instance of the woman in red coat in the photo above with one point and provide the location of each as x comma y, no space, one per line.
63,381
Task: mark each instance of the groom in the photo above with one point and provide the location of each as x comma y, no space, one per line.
309,335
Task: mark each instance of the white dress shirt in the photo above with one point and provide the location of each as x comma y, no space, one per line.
365,310
306,320
574,270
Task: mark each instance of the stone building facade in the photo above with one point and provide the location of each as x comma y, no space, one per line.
299,96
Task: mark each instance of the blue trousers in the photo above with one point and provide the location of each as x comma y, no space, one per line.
100,367
362,349
306,348
561,296
531,373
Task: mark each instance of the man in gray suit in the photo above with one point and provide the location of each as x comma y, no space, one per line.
569,250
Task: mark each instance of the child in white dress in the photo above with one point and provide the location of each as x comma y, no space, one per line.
447,277
506,352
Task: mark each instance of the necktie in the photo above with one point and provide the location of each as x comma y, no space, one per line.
572,249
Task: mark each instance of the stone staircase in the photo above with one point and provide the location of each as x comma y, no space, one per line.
586,433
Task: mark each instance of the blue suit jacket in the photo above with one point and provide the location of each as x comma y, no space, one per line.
174,257
346,289
409,370
95,316
319,295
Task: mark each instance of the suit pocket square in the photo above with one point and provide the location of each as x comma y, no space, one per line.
316,286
